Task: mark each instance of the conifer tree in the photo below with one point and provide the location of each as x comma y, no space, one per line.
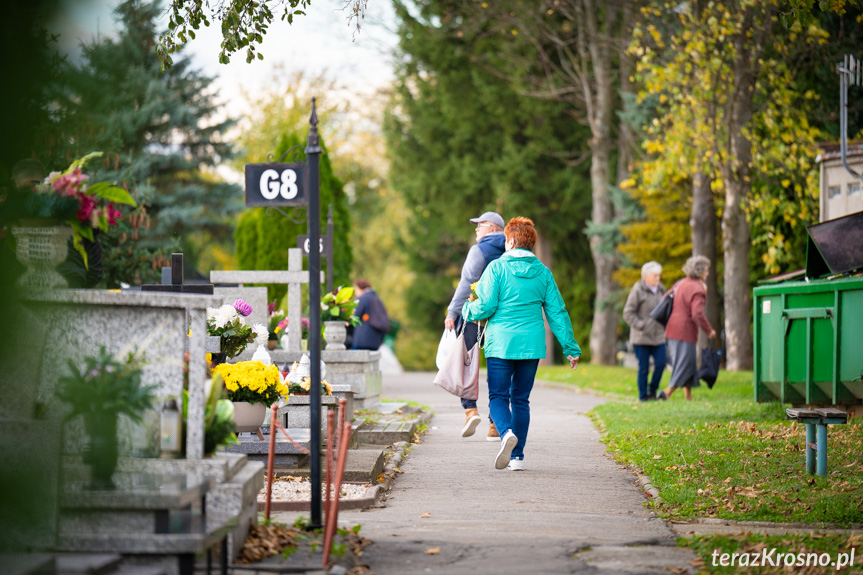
157,130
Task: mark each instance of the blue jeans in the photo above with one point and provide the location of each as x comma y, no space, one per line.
509,384
643,353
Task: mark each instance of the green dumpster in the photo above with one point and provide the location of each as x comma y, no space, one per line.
808,334
809,342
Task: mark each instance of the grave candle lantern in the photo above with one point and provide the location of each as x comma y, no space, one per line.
171,430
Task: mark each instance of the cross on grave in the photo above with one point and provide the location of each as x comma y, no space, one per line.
177,285
293,277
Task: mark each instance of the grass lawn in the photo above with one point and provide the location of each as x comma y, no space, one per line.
723,455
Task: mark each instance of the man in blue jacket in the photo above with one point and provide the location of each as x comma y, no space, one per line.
489,246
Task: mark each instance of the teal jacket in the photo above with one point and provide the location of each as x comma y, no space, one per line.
512,293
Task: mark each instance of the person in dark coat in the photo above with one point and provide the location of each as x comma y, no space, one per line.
373,314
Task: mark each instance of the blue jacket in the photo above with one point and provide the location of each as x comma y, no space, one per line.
371,311
485,251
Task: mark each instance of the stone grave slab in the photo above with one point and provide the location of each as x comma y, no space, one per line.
287,454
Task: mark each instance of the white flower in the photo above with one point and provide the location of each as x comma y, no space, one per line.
261,334
222,316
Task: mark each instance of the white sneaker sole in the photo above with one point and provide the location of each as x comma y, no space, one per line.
513,466
507,444
488,438
470,427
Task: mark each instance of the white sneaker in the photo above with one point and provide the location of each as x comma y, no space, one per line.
516,465
507,444
470,425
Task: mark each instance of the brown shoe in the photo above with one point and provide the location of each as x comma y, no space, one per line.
493,435
471,422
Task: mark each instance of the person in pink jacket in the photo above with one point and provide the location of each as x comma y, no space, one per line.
681,331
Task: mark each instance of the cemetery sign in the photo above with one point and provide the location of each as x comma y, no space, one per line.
276,184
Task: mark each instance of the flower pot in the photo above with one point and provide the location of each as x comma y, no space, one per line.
304,345
102,454
41,250
272,344
249,416
335,334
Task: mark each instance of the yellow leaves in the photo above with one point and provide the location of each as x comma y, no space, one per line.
432,550
425,515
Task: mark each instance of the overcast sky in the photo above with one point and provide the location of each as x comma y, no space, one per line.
320,40
360,62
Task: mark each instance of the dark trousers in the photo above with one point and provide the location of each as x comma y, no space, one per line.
471,331
643,353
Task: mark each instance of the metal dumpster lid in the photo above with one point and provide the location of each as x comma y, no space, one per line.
835,247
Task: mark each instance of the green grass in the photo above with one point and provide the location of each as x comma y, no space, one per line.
723,455
754,544
620,382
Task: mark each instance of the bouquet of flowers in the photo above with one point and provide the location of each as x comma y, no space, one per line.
229,323
339,305
282,326
473,295
70,196
252,381
277,318
299,382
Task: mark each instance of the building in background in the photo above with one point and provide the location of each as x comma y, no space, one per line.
841,192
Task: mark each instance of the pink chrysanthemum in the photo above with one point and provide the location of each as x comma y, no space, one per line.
242,307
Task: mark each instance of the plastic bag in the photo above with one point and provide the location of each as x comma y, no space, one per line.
446,341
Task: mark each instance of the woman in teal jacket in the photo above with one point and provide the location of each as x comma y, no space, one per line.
512,293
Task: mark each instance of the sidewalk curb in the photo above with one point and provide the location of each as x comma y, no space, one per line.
389,473
648,487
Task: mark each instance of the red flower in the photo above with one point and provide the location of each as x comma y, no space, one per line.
85,210
112,214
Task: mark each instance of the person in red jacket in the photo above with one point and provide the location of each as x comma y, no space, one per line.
681,332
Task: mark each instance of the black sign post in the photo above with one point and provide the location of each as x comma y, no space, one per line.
276,185
313,153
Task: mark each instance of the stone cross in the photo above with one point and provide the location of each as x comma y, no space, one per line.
294,277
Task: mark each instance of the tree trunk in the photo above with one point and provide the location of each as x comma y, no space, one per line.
702,223
543,253
735,227
603,332
735,230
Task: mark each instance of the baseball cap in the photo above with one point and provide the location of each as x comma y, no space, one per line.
491,217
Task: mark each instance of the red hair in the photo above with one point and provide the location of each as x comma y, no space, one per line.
521,232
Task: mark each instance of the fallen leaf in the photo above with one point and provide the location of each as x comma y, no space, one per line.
432,550
657,457
424,515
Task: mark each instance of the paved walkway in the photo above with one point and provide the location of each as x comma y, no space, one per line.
570,498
